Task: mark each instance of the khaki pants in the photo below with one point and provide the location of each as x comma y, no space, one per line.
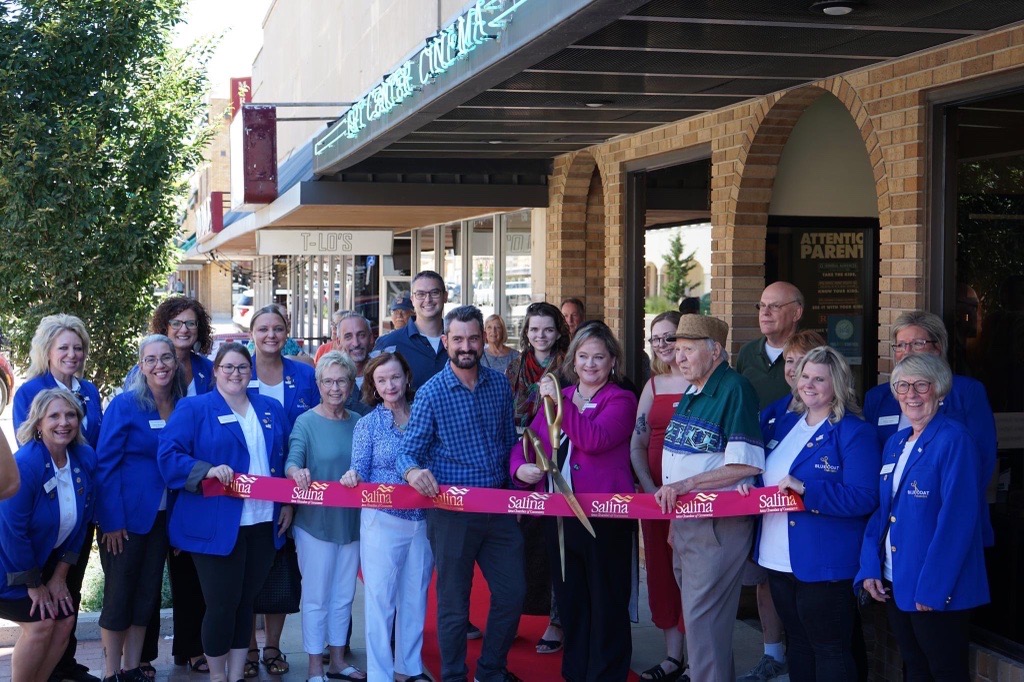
710,554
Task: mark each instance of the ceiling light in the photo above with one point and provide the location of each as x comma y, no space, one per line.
493,141
834,8
597,103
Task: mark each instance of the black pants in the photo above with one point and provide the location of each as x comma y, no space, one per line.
189,609
492,541
593,600
133,577
67,663
933,644
230,584
819,618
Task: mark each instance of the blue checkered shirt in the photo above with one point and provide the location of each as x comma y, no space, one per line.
462,436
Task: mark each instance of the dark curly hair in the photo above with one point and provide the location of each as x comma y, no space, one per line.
174,306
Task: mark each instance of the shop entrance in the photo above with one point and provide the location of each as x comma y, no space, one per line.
980,277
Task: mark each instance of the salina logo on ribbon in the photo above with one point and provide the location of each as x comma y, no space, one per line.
243,484
701,506
378,497
528,504
776,500
313,495
616,506
451,498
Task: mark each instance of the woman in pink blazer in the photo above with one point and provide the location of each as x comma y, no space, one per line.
593,456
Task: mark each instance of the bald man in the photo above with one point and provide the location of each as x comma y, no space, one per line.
761,362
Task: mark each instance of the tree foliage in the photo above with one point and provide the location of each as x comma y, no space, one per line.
677,269
101,120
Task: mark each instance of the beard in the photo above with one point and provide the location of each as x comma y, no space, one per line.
465,360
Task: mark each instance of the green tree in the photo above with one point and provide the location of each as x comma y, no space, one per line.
677,269
101,120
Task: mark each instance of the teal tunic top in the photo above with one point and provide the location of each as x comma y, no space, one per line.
324,446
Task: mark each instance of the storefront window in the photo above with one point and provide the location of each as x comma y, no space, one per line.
451,267
481,275
985,313
518,279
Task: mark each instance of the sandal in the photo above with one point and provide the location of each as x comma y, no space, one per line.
550,646
346,674
200,665
148,670
252,668
658,673
275,665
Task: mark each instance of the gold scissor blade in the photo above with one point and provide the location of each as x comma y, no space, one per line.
570,499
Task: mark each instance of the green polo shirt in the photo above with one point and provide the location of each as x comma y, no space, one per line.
767,378
715,426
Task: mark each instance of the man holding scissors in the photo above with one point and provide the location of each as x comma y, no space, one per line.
460,433
712,443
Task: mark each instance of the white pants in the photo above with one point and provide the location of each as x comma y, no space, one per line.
397,564
328,587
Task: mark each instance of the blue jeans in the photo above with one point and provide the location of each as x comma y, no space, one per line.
819,620
459,540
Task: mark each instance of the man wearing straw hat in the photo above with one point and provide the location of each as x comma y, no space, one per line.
712,443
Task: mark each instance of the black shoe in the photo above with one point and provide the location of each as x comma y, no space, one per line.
473,632
506,676
134,675
77,673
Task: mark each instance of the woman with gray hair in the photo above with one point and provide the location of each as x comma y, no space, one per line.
823,451
132,511
326,539
922,551
920,332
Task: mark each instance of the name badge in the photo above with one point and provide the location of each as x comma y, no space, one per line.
891,420
254,383
50,485
887,469
157,423
227,419
590,406
772,443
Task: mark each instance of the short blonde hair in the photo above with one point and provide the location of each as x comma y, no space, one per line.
40,404
49,328
503,336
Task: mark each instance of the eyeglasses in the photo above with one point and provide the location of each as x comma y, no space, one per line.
659,340
916,344
334,383
231,369
177,324
433,294
920,387
151,361
773,307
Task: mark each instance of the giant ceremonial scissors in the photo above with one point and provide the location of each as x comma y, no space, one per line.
553,414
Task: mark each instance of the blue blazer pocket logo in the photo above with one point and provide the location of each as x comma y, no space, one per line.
914,491
823,465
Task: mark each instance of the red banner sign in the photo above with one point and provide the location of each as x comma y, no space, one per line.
700,505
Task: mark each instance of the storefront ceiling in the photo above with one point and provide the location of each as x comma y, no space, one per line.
671,59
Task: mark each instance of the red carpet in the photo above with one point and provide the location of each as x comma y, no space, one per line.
523,659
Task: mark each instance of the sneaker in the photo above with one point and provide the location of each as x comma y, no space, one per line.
766,669
473,632
506,676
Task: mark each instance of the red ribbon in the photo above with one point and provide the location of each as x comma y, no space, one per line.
700,505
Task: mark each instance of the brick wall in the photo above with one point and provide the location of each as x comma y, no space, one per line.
888,104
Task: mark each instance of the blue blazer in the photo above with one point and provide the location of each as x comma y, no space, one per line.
838,465
771,415
300,389
127,470
93,404
194,441
933,520
966,403
30,521
202,373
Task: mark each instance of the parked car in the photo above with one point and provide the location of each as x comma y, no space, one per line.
241,312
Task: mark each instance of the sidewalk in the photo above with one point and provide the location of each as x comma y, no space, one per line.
648,646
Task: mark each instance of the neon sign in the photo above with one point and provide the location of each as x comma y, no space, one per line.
484,21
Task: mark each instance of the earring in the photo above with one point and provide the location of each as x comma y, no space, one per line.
39,434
